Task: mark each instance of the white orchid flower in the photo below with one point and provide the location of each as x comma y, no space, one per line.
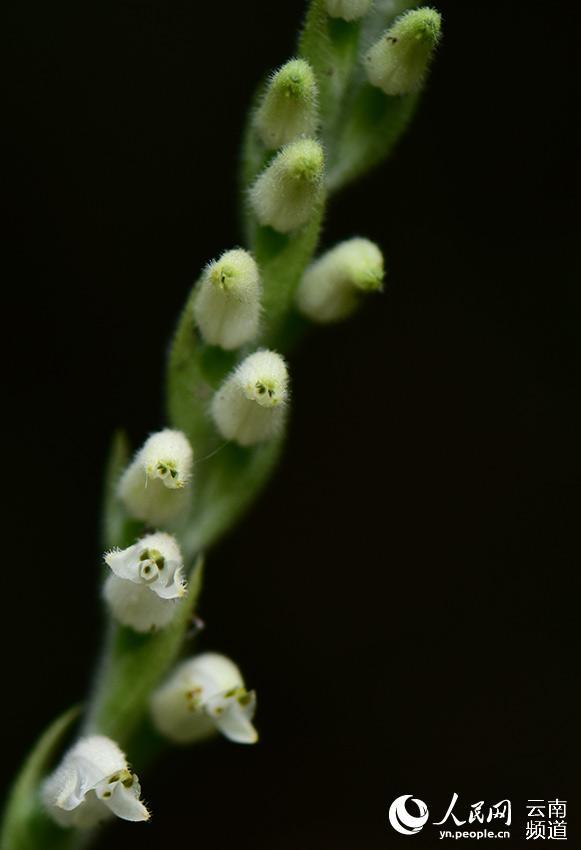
147,582
93,782
203,695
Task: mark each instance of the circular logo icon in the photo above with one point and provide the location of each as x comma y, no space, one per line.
404,822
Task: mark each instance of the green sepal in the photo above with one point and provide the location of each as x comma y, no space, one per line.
118,528
25,825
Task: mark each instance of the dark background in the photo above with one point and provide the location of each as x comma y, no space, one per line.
405,596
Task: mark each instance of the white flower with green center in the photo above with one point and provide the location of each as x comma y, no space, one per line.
289,106
147,582
349,10
152,487
398,62
331,287
250,405
92,783
286,194
227,302
203,695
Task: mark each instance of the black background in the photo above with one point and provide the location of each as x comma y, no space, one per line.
405,596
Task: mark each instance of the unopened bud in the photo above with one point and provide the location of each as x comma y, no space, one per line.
227,304
349,10
331,286
287,192
152,486
203,695
250,405
289,108
398,62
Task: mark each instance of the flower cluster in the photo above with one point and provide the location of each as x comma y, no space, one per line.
146,582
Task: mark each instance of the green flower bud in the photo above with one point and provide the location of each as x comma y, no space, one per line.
289,108
227,303
287,192
331,286
398,62
349,10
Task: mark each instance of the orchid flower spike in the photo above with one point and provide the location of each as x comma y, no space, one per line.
203,695
331,287
250,405
289,107
146,583
398,62
349,10
152,486
227,302
286,194
92,783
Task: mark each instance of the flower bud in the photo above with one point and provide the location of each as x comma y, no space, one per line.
93,782
331,286
151,487
287,192
398,62
349,10
147,582
203,695
289,108
227,304
249,407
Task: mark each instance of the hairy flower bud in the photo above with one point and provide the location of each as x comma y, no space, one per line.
331,286
227,303
151,487
147,582
398,62
287,192
92,783
203,695
249,407
289,107
349,10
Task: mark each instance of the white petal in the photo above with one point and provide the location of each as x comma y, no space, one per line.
93,759
233,717
88,814
125,802
125,562
171,583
